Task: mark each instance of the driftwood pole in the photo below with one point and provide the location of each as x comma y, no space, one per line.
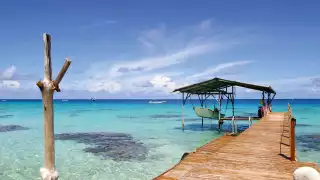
292,139
47,87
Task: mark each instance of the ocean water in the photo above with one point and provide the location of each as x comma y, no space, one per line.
142,139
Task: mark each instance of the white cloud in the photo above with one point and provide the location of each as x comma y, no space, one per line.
108,86
163,82
205,25
316,90
300,86
163,49
220,67
8,73
6,78
316,81
98,24
10,84
164,39
146,43
291,82
93,85
153,63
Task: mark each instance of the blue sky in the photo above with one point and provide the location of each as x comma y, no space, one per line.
145,49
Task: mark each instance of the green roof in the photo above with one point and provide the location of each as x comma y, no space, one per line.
216,84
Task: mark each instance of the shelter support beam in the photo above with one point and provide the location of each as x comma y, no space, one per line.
232,100
202,123
219,106
269,99
234,125
201,102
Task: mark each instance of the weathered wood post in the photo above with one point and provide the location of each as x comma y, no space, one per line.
292,139
219,106
47,87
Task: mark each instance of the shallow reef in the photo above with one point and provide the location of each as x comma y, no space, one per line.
127,117
165,116
303,125
80,111
12,127
6,116
117,146
309,142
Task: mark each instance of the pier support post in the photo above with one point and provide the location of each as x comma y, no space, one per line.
232,99
233,124
292,139
219,105
182,114
202,122
47,87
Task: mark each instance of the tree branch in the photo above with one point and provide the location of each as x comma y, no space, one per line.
47,57
40,84
61,74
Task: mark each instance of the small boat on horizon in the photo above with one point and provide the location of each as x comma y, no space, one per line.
156,102
92,99
64,100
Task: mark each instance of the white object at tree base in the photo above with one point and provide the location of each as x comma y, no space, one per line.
47,174
306,173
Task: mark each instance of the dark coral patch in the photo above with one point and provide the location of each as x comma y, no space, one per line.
6,116
309,142
117,146
165,116
127,117
8,128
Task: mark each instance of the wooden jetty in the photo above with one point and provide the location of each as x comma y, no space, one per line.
264,151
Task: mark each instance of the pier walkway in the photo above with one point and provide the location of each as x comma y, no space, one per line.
254,154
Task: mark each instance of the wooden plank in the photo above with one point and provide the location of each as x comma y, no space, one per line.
254,154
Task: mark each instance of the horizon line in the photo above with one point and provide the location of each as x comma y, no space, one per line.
153,99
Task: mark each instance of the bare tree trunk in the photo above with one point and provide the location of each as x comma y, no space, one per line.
47,87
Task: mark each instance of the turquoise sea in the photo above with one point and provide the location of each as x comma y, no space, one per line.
124,139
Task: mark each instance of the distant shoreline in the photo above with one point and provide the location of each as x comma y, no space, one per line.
167,99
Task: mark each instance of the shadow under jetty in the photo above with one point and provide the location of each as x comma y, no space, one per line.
117,146
212,127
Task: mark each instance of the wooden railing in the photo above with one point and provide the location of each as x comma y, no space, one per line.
288,133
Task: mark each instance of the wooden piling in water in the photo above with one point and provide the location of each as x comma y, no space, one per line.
292,139
182,117
182,112
47,87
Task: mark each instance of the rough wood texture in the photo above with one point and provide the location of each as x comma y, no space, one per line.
61,74
292,140
47,57
254,154
47,87
47,96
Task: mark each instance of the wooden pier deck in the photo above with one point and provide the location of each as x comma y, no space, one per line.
254,154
